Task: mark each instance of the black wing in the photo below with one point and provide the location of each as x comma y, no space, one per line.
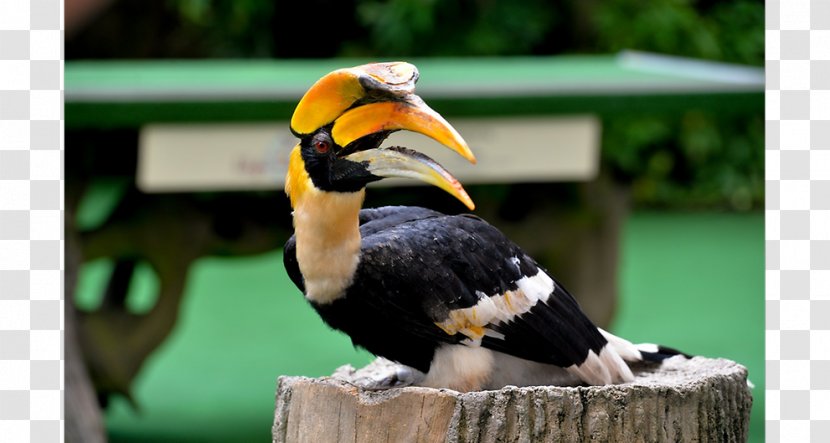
426,278
432,271
289,260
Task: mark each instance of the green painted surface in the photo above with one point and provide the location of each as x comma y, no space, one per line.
173,76
693,281
133,115
131,94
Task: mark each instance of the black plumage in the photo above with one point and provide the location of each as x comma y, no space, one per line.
418,265
450,296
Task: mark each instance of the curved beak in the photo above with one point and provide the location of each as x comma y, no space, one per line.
367,103
402,162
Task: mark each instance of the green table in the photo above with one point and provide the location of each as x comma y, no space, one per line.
133,93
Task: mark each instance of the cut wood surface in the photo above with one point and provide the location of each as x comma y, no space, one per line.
697,400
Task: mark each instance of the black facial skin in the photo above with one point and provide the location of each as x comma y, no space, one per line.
327,168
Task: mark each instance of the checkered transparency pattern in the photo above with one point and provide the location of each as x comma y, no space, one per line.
31,221
798,220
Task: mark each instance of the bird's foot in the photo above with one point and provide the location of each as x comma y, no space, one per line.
394,377
379,375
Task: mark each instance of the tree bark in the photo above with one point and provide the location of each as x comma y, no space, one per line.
683,400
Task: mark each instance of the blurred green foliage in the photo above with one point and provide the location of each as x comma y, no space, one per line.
435,28
225,26
731,31
695,159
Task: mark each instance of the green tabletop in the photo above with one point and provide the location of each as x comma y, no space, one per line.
132,93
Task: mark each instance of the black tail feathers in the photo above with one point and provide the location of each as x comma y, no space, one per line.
657,353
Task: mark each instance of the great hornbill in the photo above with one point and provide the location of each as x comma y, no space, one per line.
446,295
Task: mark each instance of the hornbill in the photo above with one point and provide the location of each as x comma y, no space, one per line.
448,297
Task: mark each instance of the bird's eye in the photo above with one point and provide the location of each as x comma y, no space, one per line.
322,146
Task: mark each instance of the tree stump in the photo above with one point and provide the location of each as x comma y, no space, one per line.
697,400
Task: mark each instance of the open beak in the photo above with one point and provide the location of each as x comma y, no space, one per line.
369,102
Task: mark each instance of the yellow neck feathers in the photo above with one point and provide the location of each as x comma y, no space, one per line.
297,180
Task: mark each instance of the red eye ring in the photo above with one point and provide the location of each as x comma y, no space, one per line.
321,146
